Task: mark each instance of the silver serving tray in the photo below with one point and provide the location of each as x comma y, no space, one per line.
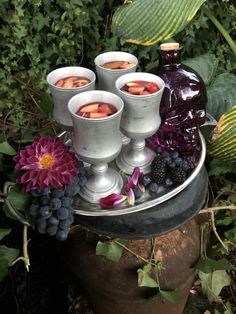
84,208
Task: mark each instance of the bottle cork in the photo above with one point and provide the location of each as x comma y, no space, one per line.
169,46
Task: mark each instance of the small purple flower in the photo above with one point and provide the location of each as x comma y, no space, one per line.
111,201
133,182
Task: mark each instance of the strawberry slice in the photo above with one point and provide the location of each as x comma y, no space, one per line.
90,108
68,83
97,115
136,90
105,108
145,92
59,83
73,78
152,87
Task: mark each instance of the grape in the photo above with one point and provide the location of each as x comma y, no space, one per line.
178,161
168,159
70,191
57,193
45,211
172,165
175,155
185,165
81,165
33,209
82,172
71,218
62,213
55,203
159,150
61,235
153,187
75,180
65,224
66,201
168,182
88,172
36,193
146,180
53,221
41,225
44,200
137,193
82,180
52,230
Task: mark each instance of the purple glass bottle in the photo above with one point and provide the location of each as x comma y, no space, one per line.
183,104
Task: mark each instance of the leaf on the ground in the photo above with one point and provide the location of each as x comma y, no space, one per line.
46,104
205,65
212,283
170,296
110,250
144,279
208,265
8,255
4,232
221,94
7,149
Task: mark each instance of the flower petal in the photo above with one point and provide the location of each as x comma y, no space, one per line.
131,197
136,175
111,201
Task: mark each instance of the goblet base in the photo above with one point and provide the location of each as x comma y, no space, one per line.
129,159
102,185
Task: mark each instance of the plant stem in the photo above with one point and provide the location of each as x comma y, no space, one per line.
210,209
221,29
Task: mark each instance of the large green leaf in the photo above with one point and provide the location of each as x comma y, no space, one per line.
150,21
205,65
18,199
7,149
110,250
7,256
144,279
221,94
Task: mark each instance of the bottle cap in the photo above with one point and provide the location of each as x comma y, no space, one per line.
169,46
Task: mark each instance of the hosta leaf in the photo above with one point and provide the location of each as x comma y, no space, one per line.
205,65
4,232
150,21
170,296
18,199
144,280
110,250
221,94
212,283
8,255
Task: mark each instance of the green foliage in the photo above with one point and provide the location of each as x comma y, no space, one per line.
213,282
144,279
8,255
6,148
207,265
4,232
110,249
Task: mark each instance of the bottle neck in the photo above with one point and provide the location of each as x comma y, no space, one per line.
171,57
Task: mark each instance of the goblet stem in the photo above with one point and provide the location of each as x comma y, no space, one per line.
103,182
136,154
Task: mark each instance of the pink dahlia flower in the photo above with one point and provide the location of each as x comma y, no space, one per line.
46,162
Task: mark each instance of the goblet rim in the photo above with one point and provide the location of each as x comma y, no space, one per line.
95,119
139,96
74,88
115,70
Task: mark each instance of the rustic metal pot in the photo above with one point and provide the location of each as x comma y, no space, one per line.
111,287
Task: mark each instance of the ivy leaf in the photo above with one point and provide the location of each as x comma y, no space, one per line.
212,283
4,232
18,199
221,94
8,255
110,250
7,149
208,265
231,235
205,65
170,296
144,280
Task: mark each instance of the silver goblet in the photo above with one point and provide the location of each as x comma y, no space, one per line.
61,96
140,119
98,142
108,77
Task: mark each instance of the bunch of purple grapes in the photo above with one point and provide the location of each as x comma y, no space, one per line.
52,209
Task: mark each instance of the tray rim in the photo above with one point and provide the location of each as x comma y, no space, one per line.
153,202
